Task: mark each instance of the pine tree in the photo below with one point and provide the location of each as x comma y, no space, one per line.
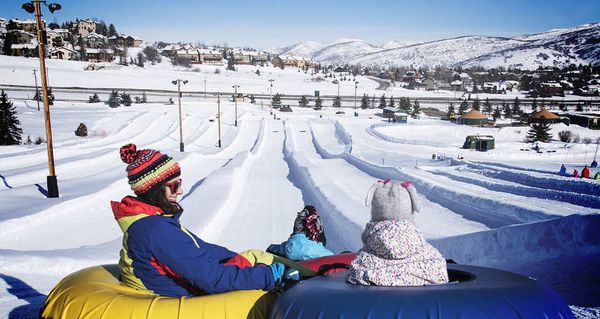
463,107
318,103
487,106
144,98
252,99
112,31
276,101
94,98
337,102
113,99
392,103
516,109
506,110
231,62
10,126
451,111
476,105
539,132
497,113
534,105
382,103
579,107
364,102
563,107
140,59
126,99
40,97
416,108
303,102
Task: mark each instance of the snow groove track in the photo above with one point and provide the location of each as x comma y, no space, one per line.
492,212
569,197
213,213
554,181
342,233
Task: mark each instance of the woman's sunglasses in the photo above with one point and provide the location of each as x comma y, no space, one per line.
174,186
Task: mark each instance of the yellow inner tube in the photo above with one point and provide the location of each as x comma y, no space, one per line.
96,292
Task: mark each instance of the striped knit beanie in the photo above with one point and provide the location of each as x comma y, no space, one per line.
147,167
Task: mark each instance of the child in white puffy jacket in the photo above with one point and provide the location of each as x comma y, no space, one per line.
395,253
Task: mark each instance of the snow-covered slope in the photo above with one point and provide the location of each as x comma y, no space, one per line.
445,52
343,51
558,47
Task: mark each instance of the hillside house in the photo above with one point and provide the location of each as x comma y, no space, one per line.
430,84
99,55
63,53
277,62
85,27
243,57
260,58
125,41
457,85
54,39
190,54
23,25
3,23
94,40
417,85
24,49
213,57
551,88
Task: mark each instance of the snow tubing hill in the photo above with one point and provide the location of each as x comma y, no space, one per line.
474,292
95,292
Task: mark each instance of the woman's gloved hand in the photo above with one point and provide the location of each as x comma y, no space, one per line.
277,269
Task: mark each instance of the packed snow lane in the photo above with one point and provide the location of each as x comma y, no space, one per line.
460,197
435,220
268,202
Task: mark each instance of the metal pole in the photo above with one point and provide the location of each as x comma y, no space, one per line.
181,146
219,118
271,93
355,85
338,82
37,92
51,179
235,101
204,88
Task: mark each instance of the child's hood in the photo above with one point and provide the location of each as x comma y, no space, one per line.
392,239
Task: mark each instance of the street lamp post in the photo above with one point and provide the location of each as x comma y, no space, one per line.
235,87
205,88
338,83
34,7
178,83
355,86
271,93
37,92
219,118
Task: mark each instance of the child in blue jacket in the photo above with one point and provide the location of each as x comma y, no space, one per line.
307,240
159,255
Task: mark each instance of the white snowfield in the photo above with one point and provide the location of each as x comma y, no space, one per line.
504,208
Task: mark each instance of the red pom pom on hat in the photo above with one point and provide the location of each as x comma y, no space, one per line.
128,153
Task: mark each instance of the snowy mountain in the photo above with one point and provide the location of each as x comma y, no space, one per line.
556,47
343,51
446,52
552,48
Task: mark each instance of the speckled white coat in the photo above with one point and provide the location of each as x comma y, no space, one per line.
396,254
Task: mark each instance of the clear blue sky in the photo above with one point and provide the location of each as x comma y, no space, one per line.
271,23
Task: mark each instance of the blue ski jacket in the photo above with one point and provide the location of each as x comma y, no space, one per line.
162,257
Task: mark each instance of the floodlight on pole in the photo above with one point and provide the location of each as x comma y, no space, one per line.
178,83
355,86
34,7
271,93
235,87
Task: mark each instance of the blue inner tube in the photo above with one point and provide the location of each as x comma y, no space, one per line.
474,292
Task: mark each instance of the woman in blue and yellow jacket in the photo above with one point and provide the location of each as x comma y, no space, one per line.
159,255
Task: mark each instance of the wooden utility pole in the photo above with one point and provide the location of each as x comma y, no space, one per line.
51,179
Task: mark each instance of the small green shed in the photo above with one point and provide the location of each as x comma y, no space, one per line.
479,142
